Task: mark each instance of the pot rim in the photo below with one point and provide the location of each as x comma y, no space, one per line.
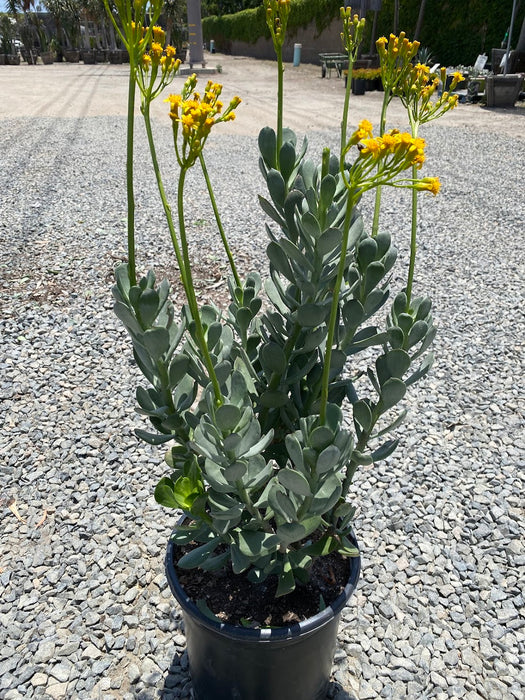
264,634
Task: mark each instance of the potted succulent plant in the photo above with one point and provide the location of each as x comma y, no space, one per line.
267,408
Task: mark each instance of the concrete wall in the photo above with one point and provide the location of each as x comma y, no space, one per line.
312,45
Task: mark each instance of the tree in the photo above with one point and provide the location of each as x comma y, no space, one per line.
419,23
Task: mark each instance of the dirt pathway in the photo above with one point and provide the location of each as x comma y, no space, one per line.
73,90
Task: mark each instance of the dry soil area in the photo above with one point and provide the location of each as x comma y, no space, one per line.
312,102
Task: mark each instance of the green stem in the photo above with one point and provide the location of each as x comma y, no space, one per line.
129,174
219,222
334,311
344,122
382,128
413,232
160,185
189,289
254,512
280,93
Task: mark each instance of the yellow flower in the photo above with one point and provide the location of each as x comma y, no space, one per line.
156,52
366,128
146,61
159,35
371,147
430,184
389,142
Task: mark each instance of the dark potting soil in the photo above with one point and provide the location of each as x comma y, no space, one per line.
237,601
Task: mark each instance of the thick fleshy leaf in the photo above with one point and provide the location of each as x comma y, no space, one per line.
178,368
311,315
397,361
268,146
383,241
287,160
329,241
392,392
417,333
327,496
156,341
321,437
375,300
257,544
152,438
295,482
227,416
423,309
290,532
198,555
164,494
282,505
363,415
328,459
276,187
270,210
286,581
240,562
279,260
127,317
327,191
396,337
366,252
148,307
385,450
273,358
235,472
374,274
294,449
353,313
310,225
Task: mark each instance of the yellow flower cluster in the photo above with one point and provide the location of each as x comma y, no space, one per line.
158,56
196,115
383,158
398,147
353,29
417,89
277,13
133,30
397,48
395,56
352,33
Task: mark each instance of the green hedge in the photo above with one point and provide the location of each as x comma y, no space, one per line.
250,25
455,32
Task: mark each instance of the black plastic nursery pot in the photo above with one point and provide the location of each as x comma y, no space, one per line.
229,662
358,86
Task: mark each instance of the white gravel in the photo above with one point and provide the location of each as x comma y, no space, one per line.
85,611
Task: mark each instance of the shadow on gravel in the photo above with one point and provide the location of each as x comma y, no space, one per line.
177,683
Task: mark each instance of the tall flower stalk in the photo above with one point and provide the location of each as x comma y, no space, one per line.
250,397
277,13
351,37
135,36
416,87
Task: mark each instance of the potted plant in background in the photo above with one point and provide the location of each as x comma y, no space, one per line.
8,55
359,78
251,400
504,89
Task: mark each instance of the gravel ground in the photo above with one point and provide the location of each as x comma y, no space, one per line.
85,611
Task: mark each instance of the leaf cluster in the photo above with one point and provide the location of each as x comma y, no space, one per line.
264,481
